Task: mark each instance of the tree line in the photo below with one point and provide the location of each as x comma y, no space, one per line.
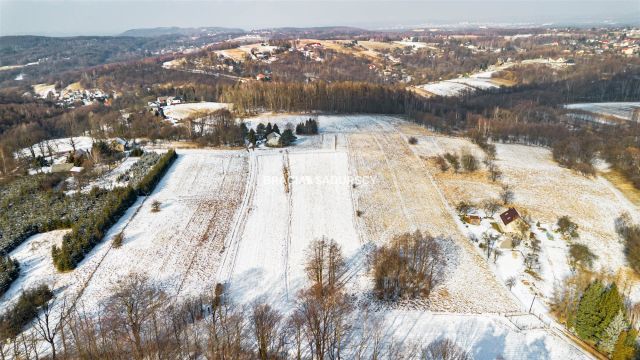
90,229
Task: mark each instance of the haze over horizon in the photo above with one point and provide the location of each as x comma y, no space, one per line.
101,17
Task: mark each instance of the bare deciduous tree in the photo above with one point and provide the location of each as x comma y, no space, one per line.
133,303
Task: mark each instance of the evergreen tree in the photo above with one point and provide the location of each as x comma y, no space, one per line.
625,348
275,129
610,306
268,129
589,316
251,137
612,332
261,130
287,138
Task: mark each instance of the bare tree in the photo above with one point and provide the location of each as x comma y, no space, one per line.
444,349
506,194
488,241
326,264
49,325
324,318
411,266
490,207
133,304
266,323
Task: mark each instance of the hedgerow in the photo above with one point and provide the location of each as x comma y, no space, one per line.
90,230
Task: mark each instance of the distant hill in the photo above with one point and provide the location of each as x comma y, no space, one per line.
320,31
162,31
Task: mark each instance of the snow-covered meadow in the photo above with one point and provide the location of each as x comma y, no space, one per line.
231,216
179,112
617,110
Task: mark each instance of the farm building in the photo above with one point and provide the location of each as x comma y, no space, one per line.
472,219
509,221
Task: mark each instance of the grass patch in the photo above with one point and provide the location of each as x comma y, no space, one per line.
625,186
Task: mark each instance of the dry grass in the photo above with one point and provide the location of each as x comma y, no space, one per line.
403,198
236,54
621,183
74,87
503,82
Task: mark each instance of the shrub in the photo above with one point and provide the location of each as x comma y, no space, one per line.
463,208
155,206
469,162
9,271
287,138
136,152
567,228
580,256
24,311
413,140
442,163
118,239
453,160
410,267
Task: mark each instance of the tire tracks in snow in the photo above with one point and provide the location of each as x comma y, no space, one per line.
204,237
227,267
287,244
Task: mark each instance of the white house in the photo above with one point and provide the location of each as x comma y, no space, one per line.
273,139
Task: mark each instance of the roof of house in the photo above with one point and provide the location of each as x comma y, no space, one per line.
509,216
271,135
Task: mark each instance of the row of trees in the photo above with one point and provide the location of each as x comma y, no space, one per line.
308,127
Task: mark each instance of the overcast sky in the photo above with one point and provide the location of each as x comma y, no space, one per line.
101,17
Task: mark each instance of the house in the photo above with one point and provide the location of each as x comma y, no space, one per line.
273,139
509,221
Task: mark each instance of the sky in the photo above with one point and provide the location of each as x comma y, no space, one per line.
111,17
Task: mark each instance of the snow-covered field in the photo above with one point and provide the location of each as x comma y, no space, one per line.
620,110
58,146
182,111
227,217
455,87
36,266
181,245
593,203
267,258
